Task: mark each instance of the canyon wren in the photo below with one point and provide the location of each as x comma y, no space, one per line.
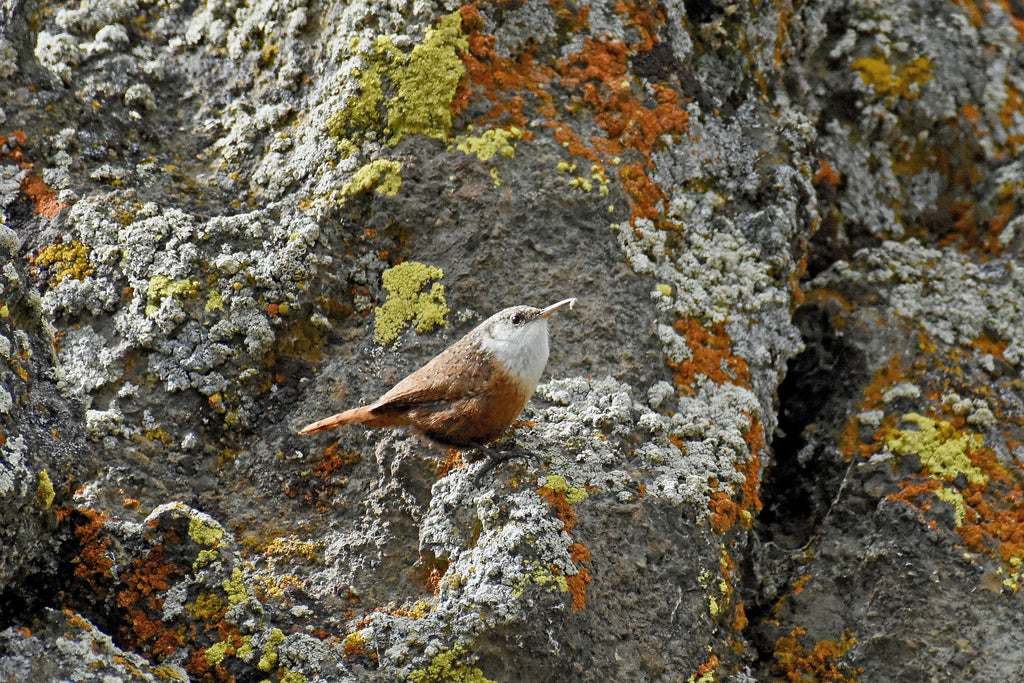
471,392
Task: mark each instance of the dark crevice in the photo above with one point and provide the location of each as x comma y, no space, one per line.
30,595
807,468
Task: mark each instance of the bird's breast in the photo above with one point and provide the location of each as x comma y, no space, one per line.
522,356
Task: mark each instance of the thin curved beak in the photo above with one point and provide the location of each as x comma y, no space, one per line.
554,307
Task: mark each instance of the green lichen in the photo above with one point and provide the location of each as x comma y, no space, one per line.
216,653
942,450
204,558
245,650
44,490
384,174
446,668
664,290
206,607
539,575
204,533
427,80
407,303
289,676
573,494
420,86
235,587
490,143
160,287
956,499
214,302
269,659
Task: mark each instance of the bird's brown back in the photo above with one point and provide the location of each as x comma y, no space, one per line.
459,397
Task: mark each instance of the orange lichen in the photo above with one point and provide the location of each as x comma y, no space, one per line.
44,199
705,669
560,504
850,442
577,584
332,462
35,188
710,355
820,663
599,86
452,461
92,565
644,193
739,621
1012,108
141,597
1013,14
974,11
826,174
724,511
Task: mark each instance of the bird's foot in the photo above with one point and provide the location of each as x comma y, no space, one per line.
495,458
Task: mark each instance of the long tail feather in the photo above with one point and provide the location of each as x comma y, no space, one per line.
349,417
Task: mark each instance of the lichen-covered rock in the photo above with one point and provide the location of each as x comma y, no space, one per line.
787,401
64,646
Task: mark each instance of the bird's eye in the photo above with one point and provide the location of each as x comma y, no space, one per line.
518,320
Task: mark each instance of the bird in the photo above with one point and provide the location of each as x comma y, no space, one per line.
471,392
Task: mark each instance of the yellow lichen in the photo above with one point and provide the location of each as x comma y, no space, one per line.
289,676
490,143
941,449
203,532
573,494
160,287
289,546
954,498
214,302
384,174
206,607
245,649
216,653
269,659
407,303
70,260
539,575
44,490
446,668
427,79
421,83
235,587
906,82
204,558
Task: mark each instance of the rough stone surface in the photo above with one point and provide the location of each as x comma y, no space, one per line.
779,438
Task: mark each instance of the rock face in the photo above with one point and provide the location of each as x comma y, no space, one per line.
779,438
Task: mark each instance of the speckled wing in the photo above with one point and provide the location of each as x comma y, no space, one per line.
449,376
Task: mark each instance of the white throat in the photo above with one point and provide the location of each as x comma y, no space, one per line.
524,354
